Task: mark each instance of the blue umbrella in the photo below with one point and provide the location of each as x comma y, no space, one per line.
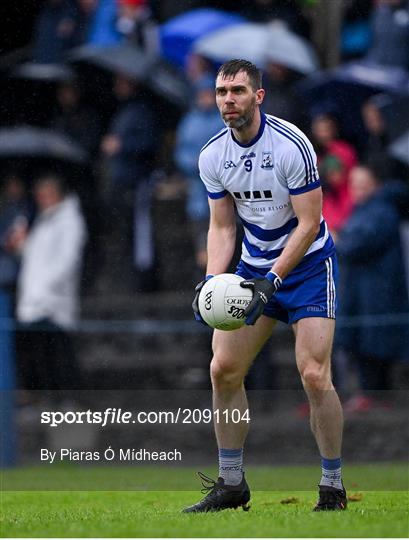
178,34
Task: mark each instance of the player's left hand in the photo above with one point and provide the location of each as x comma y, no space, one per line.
263,289
195,303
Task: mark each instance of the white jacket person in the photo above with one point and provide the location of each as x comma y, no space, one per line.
48,286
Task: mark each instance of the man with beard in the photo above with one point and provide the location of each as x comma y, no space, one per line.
266,169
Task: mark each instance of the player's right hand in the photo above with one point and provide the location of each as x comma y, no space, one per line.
263,289
195,303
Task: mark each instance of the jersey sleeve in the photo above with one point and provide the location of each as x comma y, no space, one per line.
299,165
214,187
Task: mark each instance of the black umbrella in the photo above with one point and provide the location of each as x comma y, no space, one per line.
124,59
399,149
169,83
359,78
165,80
344,90
33,142
396,113
48,73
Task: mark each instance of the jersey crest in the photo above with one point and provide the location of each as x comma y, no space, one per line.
267,163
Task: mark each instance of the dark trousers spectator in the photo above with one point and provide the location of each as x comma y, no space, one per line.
46,359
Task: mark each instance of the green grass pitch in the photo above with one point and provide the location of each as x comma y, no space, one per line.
375,513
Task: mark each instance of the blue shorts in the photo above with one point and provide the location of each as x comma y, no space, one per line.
308,291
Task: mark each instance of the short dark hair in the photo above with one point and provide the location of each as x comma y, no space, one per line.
379,166
49,177
232,67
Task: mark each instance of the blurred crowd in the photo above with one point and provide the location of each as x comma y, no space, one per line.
114,103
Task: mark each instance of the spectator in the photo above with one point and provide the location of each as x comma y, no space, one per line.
75,119
197,67
129,148
372,284
390,28
167,9
194,130
86,10
337,204
54,33
135,24
336,158
103,28
377,135
281,98
48,284
356,32
289,13
15,210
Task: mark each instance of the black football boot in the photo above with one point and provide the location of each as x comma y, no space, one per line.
220,496
331,498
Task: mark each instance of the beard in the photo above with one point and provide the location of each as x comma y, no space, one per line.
242,121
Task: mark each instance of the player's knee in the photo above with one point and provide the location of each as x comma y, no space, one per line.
315,377
224,375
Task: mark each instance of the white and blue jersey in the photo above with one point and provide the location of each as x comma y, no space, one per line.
260,176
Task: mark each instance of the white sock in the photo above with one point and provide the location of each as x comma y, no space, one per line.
331,473
231,466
